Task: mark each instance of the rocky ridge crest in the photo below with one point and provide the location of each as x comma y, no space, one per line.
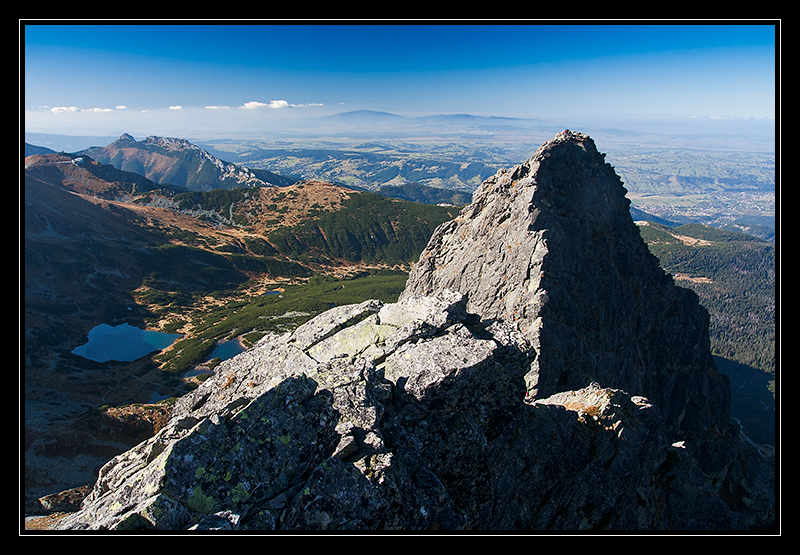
178,162
539,372
240,175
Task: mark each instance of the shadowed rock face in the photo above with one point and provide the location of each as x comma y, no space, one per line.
550,247
539,372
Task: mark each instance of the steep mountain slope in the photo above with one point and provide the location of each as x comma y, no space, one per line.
74,201
83,256
539,372
30,150
77,242
415,192
181,163
366,228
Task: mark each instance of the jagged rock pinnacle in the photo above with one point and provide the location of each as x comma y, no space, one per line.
549,246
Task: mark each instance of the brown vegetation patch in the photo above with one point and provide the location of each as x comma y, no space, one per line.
692,241
687,277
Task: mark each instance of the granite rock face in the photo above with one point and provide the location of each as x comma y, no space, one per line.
549,246
540,372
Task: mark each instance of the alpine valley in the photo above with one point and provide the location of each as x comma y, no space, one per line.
108,246
165,236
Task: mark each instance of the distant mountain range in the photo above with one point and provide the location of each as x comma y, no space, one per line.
676,170
371,116
179,162
431,178
357,123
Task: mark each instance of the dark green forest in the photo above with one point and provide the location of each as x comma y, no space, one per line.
739,289
414,192
368,228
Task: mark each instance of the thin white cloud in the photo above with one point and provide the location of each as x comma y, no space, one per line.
122,107
73,109
216,107
253,104
176,107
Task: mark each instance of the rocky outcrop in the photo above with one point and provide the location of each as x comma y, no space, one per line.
539,372
549,246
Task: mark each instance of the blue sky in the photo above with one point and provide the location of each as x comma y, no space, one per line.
161,79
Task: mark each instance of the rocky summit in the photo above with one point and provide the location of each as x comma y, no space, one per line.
549,248
540,372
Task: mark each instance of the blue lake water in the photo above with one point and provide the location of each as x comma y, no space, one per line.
226,350
123,343
223,351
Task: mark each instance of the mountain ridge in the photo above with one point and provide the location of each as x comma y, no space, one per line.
491,405
180,162
678,182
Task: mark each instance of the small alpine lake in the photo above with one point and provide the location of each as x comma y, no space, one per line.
123,343
227,349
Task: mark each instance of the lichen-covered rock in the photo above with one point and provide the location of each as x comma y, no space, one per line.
291,432
539,372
